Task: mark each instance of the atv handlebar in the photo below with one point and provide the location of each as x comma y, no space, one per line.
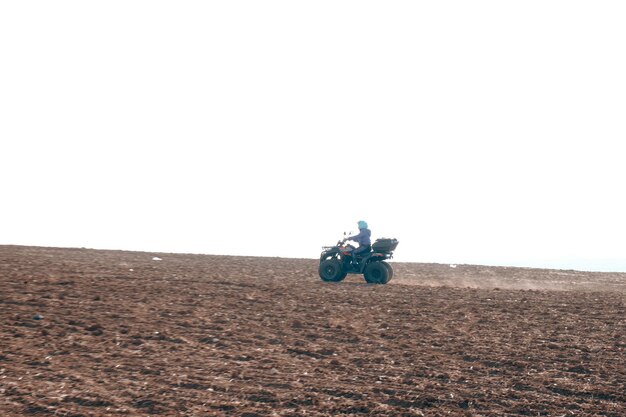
340,244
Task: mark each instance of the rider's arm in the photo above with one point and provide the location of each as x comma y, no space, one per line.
356,237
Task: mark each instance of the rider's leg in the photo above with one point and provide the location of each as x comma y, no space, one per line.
357,252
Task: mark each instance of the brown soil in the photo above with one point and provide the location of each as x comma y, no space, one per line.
95,333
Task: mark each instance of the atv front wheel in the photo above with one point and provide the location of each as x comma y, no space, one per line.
377,273
330,270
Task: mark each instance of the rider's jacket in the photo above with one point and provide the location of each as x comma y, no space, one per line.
363,238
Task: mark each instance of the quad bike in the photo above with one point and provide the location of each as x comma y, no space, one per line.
336,262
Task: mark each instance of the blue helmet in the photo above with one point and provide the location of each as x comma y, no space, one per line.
362,224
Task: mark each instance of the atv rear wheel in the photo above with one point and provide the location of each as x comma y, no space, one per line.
377,273
389,268
330,270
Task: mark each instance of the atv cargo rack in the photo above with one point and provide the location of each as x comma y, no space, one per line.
385,245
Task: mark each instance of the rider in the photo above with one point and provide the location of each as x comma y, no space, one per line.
363,239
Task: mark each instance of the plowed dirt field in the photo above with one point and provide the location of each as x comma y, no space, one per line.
114,333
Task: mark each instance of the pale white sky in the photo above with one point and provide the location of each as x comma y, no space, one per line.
475,132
